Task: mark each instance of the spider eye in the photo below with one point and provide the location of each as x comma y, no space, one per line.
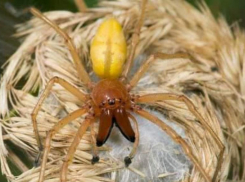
111,101
102,104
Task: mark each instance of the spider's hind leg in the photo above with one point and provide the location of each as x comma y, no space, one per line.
66,85
82,73
81,5
47,144
135,40
72,149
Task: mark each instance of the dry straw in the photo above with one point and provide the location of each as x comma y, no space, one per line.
213,80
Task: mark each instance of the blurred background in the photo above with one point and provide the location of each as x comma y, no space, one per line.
232,10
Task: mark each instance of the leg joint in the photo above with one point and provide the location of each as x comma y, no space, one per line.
33,114
55,79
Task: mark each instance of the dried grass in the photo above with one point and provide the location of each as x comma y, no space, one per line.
213,81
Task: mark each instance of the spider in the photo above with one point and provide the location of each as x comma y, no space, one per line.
110,100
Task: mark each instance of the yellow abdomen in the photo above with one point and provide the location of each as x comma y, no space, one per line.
108,50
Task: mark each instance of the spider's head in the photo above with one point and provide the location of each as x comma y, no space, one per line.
109,94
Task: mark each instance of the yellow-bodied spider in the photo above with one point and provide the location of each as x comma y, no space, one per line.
110,100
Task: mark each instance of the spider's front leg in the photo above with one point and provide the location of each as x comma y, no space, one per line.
154,98
82,129
143,68
71,88
176,138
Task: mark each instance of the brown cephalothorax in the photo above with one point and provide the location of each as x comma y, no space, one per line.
112,99
109,93
109,101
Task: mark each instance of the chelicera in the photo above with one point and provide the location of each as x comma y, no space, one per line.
110,100
113,100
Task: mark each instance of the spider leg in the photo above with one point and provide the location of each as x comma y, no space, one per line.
71,88
81,5
83,75
95,158
153,98
135,41
176,138
82,129
143,68
128,159
52,132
